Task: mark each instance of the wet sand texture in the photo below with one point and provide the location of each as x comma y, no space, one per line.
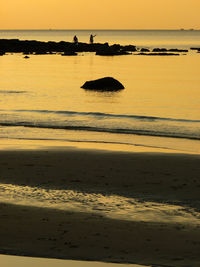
77,235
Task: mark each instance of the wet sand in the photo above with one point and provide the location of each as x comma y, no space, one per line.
162,178
19,261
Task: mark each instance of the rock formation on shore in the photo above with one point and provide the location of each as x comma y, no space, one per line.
103,84
28,47
158,54
144,50
115,50
40,48
69,53
161,50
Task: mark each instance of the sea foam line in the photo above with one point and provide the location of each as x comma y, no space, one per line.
103,115
155,133
112,206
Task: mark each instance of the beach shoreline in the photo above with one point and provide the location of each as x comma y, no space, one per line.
119,206
49,233
20,261
112,177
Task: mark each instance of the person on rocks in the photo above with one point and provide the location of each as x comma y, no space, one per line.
75,39
92,38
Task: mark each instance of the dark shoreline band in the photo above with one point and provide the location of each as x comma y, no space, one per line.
69,48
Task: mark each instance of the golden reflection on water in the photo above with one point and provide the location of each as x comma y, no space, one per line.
37,144
165,87
155,86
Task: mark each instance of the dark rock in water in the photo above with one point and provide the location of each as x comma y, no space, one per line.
115,47
129,48
195,48
111,51
26,57
159,50
145,50
158,54
42,48
40,52
178,50
103,84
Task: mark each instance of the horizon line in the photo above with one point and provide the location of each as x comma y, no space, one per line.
54,29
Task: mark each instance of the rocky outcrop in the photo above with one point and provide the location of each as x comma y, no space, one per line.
68,49
159,50
195,48
169,50
42,48
158,54
129,48
178,50
144,50
113,50
69,53
103,84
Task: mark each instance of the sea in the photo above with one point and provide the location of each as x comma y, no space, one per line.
41,101
41,97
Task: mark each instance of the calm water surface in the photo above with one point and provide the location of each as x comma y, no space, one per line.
149,38
41,97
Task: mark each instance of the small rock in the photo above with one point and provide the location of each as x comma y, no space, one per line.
103,84
144,50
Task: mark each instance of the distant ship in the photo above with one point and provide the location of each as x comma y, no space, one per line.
187,29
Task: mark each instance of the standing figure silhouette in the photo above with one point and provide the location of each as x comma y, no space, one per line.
92,38
75,39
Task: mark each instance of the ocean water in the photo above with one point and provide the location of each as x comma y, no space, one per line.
41,98
147,38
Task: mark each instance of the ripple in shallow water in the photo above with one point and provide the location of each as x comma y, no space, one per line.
112,206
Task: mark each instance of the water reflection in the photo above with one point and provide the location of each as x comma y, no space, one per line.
104,95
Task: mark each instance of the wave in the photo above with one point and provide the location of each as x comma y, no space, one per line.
103,115
102,123
96,142
11,92
156,133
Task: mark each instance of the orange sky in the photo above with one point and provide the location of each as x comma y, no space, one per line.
103,14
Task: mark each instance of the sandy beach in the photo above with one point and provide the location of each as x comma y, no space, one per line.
20,261
123,207
99,134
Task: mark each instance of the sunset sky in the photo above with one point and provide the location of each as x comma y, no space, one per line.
103,14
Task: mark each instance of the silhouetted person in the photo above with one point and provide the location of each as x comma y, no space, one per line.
75,40
92,38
